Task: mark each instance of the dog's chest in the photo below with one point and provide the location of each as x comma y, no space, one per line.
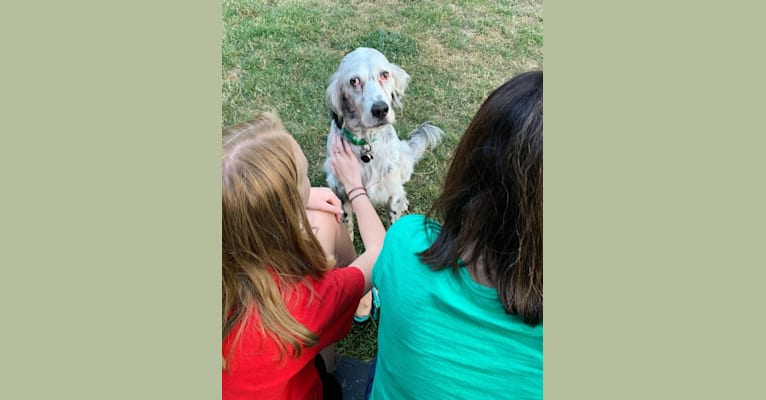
382,179
379,195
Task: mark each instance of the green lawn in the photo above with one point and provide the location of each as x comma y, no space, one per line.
279,55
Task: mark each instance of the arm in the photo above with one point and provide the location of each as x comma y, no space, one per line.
346,169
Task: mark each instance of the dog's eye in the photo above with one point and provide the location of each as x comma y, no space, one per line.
384,75
354,82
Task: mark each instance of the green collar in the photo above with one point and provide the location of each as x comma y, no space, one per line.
353,139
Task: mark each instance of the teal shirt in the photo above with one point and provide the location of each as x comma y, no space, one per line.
444,336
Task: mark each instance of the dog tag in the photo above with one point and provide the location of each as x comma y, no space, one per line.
366,153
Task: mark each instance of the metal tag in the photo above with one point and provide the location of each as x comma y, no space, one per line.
366,155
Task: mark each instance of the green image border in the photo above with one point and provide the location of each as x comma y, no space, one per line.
110,216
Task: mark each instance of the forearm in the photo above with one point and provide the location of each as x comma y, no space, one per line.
345,167
370,227
372,231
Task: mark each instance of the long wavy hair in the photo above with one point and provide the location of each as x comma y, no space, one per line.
491,203
266,248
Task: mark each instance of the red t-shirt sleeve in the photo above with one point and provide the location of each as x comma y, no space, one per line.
330,312
256,370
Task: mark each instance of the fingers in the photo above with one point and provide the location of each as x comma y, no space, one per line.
345,148
333,200
325,195
337,144
337,211
324,199
334,150
343,162
334,206
338,214
341,153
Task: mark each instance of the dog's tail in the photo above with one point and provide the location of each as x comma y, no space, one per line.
424,136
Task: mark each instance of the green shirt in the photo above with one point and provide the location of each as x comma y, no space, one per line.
444,336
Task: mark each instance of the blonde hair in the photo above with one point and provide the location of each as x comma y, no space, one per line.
266,250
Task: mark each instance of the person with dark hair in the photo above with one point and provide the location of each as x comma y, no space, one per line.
463,316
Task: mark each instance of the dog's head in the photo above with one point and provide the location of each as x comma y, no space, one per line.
364,90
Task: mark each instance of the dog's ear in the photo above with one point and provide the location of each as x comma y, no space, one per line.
401,80
335,99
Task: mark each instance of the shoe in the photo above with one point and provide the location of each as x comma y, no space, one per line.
374,309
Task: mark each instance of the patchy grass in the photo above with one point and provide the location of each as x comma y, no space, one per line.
278,55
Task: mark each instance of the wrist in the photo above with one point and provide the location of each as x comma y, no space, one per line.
355,189
357,194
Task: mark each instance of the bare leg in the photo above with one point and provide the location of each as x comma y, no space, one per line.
332,237
365,305
337,243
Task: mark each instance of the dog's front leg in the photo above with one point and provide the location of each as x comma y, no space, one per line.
348,219
397,207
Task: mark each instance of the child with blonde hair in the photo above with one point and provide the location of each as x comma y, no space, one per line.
283,298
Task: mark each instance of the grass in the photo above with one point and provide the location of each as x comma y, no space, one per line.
278,55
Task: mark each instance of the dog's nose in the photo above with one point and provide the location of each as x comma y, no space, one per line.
379,109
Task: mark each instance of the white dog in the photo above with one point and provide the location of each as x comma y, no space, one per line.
361,96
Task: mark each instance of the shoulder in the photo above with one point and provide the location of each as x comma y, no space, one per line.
328,309
413,224
346,278
399,259
411,233
408,222
336,286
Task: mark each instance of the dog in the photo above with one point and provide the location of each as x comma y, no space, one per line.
362,95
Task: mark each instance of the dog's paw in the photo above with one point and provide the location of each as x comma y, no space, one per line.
397,209
348,220
350,231
344,219
393,216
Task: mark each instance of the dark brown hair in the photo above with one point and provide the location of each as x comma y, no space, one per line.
491,204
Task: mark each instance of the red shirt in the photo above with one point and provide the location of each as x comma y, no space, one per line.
255,369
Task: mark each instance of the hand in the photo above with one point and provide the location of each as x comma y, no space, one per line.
344,164
323,199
